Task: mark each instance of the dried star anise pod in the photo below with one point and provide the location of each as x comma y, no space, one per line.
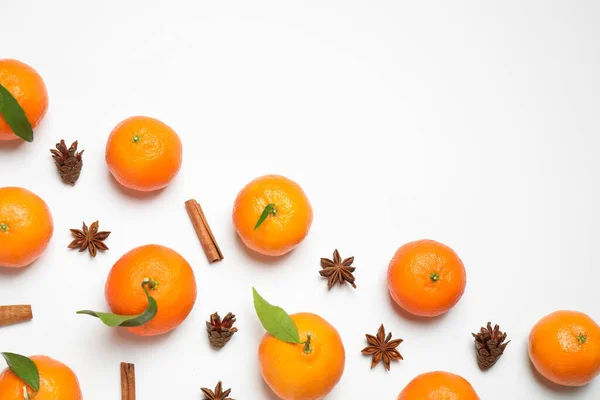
490,345
68,161
337,270
382,348
89,239
220,331
218,394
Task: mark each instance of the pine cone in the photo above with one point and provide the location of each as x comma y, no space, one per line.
220,332
490,346
68,161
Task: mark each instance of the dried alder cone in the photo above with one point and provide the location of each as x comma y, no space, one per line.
490,345
220,331
338,270
382,348
68,161
218,394
89,239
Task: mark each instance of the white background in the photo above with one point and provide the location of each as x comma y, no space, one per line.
474,123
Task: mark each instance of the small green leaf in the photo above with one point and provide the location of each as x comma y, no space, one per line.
269,210
24,368
14,115
113,320
275,320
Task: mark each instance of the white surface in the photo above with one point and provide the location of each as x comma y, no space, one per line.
473,124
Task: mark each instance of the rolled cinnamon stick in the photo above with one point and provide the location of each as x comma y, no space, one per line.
127,381
207,240
14,314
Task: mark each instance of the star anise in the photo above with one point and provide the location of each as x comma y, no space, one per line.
218,394
382,348
89,239
337,270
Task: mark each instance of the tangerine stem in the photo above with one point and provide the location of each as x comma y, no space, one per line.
136,139
269,210
582,338
25,394
3,227
434,276
307,348
152,284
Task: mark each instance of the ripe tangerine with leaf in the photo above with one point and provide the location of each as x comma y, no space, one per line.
438,385
143,153
564,347
28,88
272,215
426,278
172,285
26,227
304,371
57,381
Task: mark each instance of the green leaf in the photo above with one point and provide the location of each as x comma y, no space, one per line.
275,320
269,210
24,368
14,115
113,320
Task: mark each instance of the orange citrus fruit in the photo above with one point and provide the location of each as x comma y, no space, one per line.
295,372
143,153
28,88
565,348
173,286
57,382
438,385
288,219
426,278
26,227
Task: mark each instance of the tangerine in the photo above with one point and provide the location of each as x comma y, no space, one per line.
288,215
301,371
57,382
28,88
564,347
426,278
26,227
172,284
438,385
143,153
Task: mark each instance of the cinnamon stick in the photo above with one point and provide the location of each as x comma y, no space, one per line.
207,240
14,314
127,381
